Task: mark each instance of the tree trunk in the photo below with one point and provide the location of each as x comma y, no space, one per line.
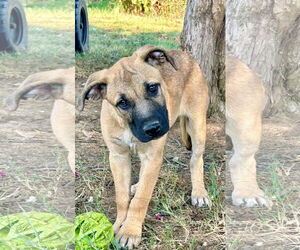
203,38
265,36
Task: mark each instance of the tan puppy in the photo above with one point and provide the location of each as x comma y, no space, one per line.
144,94
245,101
60,85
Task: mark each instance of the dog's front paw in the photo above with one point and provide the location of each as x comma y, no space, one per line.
130,234
250,198
201,199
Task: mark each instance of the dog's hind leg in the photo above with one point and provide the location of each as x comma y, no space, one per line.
184,135
134,187
196,127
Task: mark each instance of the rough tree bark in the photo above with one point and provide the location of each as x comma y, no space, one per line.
203,38
265,35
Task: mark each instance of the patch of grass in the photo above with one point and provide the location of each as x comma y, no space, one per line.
50,44
47,49
38,183
133,24
51,4
61,19
234,244
107,47
276,189
104,4
214,190
114,35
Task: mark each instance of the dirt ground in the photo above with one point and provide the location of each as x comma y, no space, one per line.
34,173
33,169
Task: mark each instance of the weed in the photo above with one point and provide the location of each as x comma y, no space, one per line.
277,188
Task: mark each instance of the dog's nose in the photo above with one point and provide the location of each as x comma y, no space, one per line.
152,129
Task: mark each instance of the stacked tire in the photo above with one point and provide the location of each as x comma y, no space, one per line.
13,26
81,26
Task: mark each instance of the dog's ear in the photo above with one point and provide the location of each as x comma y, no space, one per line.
155,56
95,89
39,86
159,57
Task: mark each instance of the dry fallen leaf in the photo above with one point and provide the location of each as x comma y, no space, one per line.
89,134
26,134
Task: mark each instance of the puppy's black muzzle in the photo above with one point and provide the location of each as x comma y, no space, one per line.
152,127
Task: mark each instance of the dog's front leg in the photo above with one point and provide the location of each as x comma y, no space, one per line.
121,170
131,230
197,130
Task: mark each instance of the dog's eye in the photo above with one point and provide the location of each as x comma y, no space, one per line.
123,104
152,89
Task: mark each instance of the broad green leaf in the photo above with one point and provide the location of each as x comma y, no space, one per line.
35,230
93,230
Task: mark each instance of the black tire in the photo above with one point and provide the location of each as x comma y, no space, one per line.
13,26
81,26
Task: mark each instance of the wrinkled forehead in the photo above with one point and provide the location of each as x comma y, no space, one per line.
129,69
128,76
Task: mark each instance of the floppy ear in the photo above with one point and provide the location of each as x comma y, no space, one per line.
39,86
95,89
159,57
156,56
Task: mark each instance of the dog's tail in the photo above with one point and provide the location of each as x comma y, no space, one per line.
184,134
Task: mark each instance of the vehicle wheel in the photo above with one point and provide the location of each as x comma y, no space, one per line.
13,26
81,26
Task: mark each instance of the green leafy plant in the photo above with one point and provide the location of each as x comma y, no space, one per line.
35,230
93,231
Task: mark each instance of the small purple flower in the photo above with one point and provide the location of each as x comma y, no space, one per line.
2,174
159,217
